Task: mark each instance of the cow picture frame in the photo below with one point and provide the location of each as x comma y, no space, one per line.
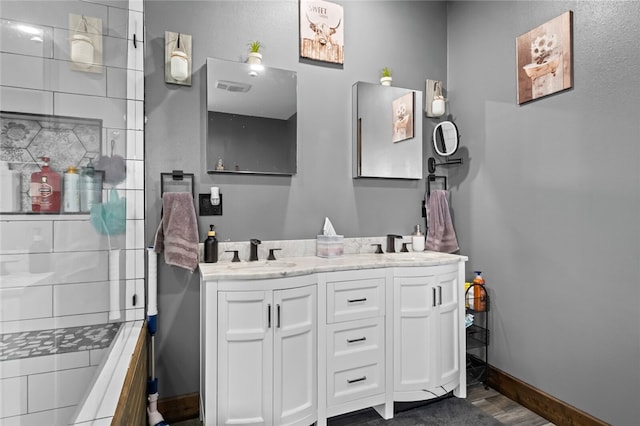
544,59
321,31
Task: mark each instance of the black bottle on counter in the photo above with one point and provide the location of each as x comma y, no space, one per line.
211,247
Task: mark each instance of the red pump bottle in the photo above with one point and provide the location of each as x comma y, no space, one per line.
45,189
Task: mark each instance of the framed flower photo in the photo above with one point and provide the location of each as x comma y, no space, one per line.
322,31
402,120
544,59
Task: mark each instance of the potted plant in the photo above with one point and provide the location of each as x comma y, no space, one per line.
255,57
385,76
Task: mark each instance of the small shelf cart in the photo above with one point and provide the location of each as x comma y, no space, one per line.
477,303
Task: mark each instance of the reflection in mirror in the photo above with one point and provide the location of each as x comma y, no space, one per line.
251,118
386,132
445,138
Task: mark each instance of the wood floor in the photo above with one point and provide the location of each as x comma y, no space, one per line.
491,402
503,409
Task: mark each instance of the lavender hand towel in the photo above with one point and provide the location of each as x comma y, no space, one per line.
440,233
177,234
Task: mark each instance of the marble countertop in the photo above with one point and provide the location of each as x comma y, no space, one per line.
305,265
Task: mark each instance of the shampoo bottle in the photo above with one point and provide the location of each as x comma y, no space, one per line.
90,188
10,188
211,247
71,188
45,189
417,240
480,293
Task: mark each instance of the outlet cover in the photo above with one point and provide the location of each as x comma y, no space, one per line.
207,209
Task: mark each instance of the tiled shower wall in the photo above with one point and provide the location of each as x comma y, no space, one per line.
36,78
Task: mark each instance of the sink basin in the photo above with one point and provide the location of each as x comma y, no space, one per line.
259,265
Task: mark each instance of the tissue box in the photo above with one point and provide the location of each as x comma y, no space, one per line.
330,245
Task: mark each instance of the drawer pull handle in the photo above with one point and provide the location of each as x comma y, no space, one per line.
359,379
278,315
361,339
364,299
269,315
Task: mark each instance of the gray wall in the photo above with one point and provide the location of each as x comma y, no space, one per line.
548,205
409,37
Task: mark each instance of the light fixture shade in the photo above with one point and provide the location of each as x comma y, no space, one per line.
177,58
438,107
179,65
82,50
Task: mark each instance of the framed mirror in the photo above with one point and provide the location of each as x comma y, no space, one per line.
387,132
251,118
445,138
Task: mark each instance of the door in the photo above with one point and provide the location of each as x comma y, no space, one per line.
245,358
295,356
448,363
414,316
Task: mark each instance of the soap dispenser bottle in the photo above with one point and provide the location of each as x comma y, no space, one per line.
417,240
45,189
480,293
211,247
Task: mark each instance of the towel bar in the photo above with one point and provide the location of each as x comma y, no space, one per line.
176,181
432,178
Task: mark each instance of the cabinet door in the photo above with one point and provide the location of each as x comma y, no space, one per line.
245,358
448,363
414,334
295,356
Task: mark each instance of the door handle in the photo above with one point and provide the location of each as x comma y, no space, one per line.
439,295
278,315
434,296
269,315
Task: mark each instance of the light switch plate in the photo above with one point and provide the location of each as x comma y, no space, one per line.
206,208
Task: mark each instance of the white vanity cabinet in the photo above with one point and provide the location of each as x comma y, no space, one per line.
354,342
263,338
428,339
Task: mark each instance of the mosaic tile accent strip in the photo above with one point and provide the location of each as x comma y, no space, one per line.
31,344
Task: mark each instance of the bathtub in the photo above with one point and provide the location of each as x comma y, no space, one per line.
63,376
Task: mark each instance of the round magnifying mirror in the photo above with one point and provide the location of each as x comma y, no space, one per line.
445,138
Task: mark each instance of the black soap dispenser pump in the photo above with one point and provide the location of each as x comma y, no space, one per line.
211,247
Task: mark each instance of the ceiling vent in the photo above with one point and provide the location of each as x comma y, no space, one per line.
232,86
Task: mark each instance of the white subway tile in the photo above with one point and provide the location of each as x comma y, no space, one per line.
115,52
51,13
111,111
60,416
18,236
136,25
135,57
36,41
136,5
26,100
117,82
58,389
65,79
78,236
135,145
44,364
117,25
29,72
83,298
25,303
97,355
13,397
134,287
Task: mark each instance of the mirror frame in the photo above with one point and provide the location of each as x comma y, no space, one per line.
437,131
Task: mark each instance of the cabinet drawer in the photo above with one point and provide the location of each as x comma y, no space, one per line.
355,343
355,383
357,299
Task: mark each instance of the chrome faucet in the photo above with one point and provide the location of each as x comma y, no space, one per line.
391,238
253,255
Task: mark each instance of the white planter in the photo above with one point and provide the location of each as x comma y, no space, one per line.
254,58
386,81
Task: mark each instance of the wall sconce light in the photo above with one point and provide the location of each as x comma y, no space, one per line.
85,43
177,58
435,105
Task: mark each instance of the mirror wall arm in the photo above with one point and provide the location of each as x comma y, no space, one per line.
431,163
